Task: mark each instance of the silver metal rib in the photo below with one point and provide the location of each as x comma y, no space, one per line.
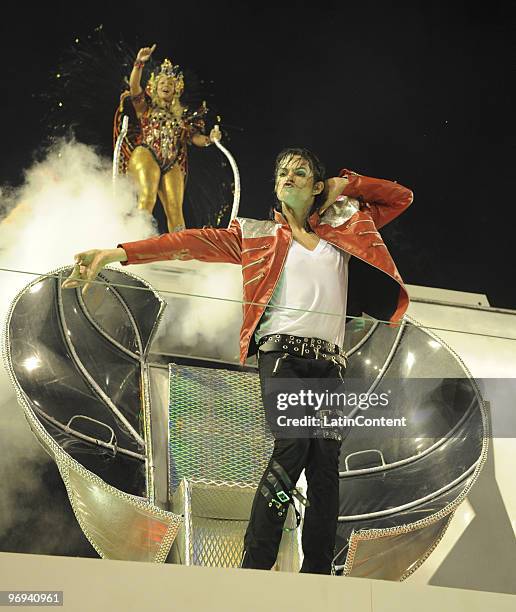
236,180
102,331
128,312
412,458
159,316
412,504
101,394
118,146
363,340
147,423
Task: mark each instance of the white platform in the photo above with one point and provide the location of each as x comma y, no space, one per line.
94,584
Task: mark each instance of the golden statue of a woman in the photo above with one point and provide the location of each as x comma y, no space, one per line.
156,157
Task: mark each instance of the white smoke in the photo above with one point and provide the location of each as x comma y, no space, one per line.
206,326
66,205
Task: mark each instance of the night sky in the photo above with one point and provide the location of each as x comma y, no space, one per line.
417,92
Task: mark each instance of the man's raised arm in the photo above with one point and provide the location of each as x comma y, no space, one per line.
383,199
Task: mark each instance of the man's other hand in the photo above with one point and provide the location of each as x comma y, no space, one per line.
89,263
333,187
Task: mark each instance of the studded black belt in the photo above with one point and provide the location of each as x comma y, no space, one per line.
310,348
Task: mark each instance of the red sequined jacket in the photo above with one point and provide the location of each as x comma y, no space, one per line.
260,247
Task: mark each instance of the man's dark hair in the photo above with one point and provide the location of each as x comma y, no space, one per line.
316,166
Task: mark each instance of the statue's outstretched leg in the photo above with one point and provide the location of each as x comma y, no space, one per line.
171,192
145,170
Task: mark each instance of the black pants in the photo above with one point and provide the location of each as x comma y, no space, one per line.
319,458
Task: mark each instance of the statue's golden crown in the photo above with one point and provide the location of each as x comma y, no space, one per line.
168,69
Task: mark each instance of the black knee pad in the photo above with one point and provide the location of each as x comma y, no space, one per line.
279,491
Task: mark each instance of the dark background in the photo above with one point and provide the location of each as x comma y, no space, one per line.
418,92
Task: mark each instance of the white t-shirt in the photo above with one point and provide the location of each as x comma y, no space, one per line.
315,282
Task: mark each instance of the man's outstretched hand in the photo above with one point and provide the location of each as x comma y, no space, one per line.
89,263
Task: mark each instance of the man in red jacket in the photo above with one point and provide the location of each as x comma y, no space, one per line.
295,272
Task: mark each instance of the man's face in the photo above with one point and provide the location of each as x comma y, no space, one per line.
295,182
